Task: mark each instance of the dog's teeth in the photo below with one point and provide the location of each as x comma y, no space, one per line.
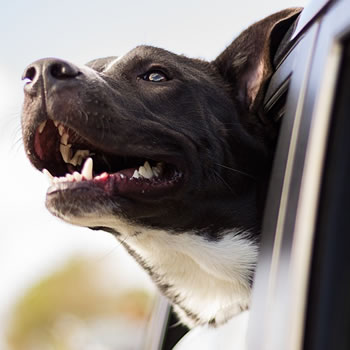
61,129
42,127
64,139
146,171
69,177
158,169
56,123
155,171
77,176
136,174
142,171
48,175
75,161
55,180
147,166
87,169
79,156
66,152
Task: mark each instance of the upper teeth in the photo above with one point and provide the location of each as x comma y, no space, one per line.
147,171
64,139
65,148
86,171
66,152
42,127
60,129
79,156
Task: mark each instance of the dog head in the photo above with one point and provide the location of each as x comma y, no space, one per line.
175,143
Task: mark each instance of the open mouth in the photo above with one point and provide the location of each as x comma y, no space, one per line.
70,161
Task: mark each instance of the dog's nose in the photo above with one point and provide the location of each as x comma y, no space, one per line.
48,71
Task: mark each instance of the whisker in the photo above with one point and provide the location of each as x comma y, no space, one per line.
224,182
112,250
17,145
107,254
85,115
235,170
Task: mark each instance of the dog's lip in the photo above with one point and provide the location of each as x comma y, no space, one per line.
158,156
119,182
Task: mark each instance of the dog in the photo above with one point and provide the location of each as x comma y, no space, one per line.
170,154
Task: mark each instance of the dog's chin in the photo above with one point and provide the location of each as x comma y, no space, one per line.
109,198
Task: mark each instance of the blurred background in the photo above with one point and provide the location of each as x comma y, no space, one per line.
65,287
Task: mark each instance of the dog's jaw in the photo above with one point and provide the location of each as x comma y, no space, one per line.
208,281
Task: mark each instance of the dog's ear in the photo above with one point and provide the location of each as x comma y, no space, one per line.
247,63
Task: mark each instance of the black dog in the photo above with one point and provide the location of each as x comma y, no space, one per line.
170,154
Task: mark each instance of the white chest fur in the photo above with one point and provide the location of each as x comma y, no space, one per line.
209,281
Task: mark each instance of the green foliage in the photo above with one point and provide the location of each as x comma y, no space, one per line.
73,290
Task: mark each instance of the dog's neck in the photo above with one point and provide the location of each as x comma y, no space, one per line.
209,281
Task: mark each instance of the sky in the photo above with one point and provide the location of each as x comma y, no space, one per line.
32,242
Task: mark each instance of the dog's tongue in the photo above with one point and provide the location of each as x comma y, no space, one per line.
46,147
46,143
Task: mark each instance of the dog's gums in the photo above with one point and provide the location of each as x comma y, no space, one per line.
60,149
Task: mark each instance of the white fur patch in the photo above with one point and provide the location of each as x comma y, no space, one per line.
210,278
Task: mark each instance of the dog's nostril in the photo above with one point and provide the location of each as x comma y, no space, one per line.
62,70
29,74
48,72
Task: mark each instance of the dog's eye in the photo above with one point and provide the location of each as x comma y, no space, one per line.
155,76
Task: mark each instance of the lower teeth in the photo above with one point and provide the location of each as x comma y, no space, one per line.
86,173
144,172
